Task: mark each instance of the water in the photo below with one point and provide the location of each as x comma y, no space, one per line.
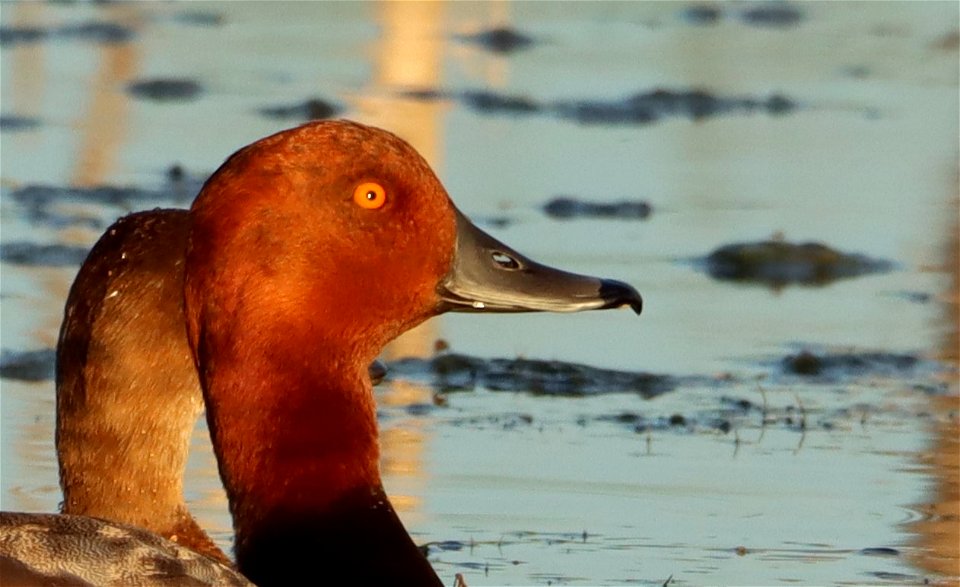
518,488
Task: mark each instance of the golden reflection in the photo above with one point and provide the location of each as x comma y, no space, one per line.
103,127
493,69
28,61
938,531
409,55
100,134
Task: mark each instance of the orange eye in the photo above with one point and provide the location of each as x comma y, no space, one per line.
370,195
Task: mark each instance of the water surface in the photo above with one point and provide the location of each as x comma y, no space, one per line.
850,480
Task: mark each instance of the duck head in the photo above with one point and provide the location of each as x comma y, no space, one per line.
346,227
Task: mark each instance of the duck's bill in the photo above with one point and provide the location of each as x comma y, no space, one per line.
488,276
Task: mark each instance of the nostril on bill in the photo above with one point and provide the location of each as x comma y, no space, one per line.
504,260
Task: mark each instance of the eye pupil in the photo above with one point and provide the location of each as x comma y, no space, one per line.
370,195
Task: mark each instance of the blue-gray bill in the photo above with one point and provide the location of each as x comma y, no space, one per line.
488,276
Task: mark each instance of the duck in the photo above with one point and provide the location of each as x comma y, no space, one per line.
127,400
127,393
303,255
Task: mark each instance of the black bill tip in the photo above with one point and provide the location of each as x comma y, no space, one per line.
617,294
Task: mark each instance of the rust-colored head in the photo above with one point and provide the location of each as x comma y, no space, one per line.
285,229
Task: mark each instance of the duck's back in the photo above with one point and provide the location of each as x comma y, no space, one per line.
63,550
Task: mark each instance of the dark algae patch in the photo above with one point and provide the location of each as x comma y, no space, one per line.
775,14
199,18
851,365
311,109
33,254
502,40
880,551
10,36
41,194
506,421
456,372
493,103
777,263
727,405
35,365
649,107
93,31
702,14
166,89
565,207
640,108
706,420
770,15
40,203
13,123
97,32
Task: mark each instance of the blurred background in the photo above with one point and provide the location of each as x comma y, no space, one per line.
793,419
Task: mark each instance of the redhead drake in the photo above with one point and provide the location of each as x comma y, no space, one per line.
306,252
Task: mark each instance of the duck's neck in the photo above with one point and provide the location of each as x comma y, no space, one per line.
296,439
358,538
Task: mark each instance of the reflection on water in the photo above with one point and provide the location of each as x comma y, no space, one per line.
938,529
849,481
408,53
